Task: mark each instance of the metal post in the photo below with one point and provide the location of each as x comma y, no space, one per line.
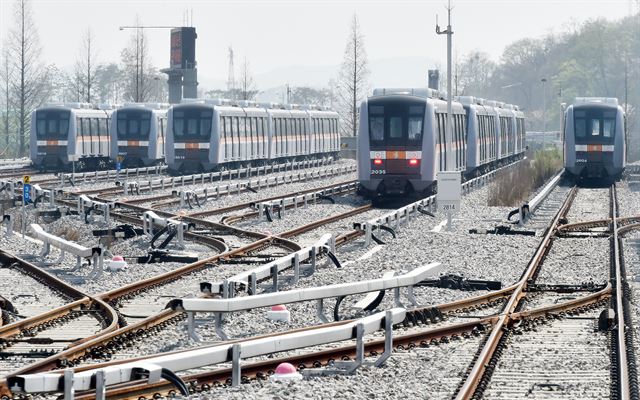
448,132
235,368
388,338
101,389
69,390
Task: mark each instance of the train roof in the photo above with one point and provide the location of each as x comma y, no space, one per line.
425,93
603,103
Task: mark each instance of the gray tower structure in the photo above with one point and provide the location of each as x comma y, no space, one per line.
182,72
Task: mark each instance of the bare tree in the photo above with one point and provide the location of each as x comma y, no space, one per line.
353,79
84,74
31,82
137,67
7,76
247,84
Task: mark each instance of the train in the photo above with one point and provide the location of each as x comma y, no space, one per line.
594,138
402,140
204,135
70,132
195,136
138,134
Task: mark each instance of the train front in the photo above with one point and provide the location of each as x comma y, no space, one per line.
132,128
392,158
594,138
189,138
50,144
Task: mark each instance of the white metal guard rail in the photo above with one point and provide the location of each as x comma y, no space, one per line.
86,206
48,195
301,200
211,177
93,253
224,306
306,294
403,214
250,278
9,186
98,379
111,174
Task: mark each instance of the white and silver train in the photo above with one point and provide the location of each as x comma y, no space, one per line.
138,134
402,140
204,135
62,133
594,131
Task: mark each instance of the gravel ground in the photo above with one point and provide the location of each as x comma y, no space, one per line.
312,212
628,199
589,204
406,375
631,251
576,261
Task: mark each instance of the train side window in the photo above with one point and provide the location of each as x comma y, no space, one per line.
225,135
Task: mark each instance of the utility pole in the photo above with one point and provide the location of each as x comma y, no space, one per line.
449,180
231,80
544,113
449,32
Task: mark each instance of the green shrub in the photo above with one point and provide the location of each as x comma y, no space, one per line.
515,185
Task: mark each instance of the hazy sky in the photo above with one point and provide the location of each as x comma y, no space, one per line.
273,35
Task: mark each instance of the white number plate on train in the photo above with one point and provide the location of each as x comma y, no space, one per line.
378,172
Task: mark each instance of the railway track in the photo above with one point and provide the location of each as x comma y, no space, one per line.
35,331
417,318
561,349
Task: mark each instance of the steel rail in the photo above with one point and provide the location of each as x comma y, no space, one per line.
623,385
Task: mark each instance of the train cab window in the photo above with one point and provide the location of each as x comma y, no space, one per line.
594,125
52,124
192,123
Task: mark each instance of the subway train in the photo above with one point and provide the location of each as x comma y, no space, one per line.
138,134
204,135
593,133
201,135
402,140
63,133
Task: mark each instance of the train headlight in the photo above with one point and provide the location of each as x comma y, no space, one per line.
414,162
377,161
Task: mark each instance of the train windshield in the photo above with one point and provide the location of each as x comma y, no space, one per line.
52,124
192,123
134,124
594,125
396,122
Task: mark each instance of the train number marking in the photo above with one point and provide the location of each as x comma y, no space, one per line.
378,172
